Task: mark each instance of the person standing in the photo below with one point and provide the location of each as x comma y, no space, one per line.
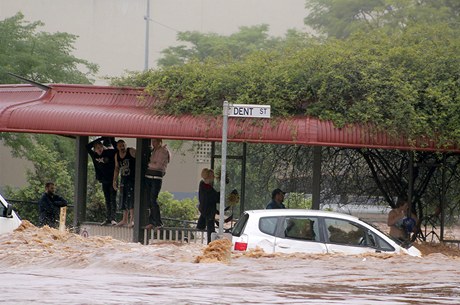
400,225
125,166
277,200
104,165
49,205
156,169
208,198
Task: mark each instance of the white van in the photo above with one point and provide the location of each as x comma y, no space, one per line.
9,221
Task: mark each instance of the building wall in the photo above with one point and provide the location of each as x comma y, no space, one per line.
111,33
12,170
183,174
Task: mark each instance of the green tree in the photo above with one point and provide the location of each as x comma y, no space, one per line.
177,209
297,201
40,56
341,18
403,83
48,166
199,46
46,58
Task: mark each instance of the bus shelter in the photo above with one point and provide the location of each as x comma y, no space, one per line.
81,111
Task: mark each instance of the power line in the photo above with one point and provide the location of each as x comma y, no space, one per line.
164,25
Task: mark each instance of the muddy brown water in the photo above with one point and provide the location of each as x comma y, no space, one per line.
45,266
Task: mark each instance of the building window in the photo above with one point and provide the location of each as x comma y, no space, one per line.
202,152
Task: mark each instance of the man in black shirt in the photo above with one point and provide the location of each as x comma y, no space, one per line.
104,164
277,200
49,205
125,166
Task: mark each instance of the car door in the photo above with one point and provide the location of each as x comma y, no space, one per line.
8,219
346,236
299,234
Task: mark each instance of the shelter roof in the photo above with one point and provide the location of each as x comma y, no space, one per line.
126,112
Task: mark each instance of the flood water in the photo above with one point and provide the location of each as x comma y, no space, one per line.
45,266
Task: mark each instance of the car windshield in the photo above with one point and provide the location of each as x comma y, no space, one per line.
400,243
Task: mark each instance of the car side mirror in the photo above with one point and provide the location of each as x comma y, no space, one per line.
9,211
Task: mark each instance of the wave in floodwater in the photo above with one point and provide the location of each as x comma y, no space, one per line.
46,266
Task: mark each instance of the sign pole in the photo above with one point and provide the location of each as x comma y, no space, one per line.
223,169
242,111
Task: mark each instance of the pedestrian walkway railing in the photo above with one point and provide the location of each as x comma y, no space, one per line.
90,229
179,234
453,242
174,234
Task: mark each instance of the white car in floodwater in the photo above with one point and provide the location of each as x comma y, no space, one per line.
9,221
312,231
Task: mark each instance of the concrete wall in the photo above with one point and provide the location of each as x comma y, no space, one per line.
12,170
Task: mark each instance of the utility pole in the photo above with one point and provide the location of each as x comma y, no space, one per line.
147,27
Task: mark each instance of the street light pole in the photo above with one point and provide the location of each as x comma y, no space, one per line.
147,27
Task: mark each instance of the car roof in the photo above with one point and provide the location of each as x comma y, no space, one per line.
300,212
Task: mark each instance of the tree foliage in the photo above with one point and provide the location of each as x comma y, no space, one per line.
48,166
45,58
406,83
341,18
177,209
199,46
40,56
392,65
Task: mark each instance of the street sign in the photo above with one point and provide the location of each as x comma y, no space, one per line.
248,111
242,111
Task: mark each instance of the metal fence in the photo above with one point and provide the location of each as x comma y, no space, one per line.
174,234
164,234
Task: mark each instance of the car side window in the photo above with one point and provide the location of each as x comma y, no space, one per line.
345,232
382,244
267,225
304,228
3,210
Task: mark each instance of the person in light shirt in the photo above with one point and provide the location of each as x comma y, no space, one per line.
400,225
156,169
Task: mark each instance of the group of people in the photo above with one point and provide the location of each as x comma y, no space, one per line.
112,159
208,198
